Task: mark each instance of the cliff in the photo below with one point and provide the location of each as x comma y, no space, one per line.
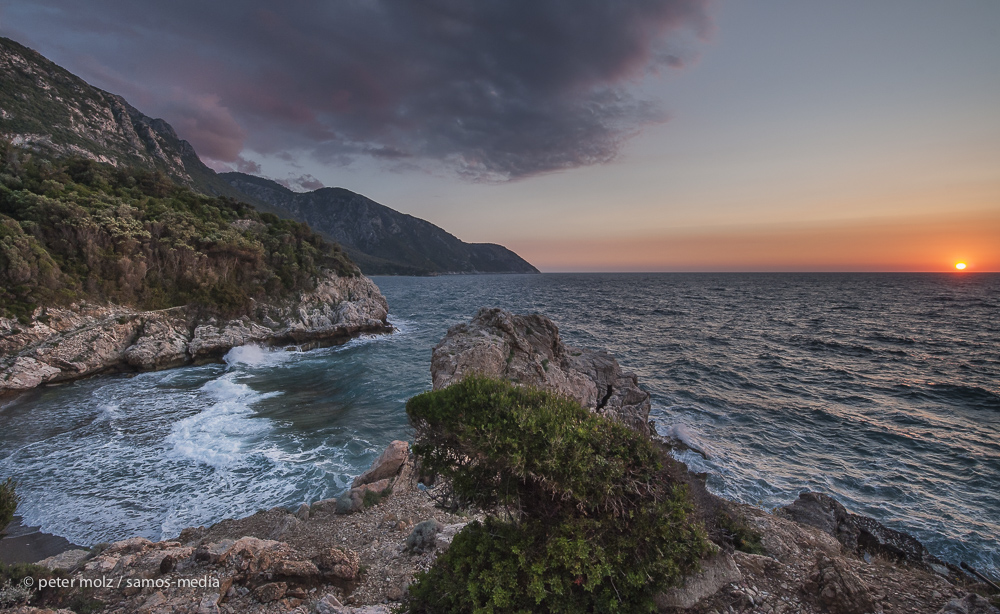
381,240
83,339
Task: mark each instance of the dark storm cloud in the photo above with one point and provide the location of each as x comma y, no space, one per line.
494,88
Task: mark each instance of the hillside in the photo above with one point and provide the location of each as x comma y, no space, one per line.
73,229
381,240
45,108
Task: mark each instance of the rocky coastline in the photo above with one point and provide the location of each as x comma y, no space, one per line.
64,344
358,552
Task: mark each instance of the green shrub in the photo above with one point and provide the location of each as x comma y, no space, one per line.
77,229
8,502
583,514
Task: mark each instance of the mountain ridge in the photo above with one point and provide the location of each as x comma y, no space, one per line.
47,109
378,238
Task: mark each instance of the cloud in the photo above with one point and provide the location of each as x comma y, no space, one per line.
495,89
247,166
302,183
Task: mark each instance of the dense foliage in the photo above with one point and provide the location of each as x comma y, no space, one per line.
9,500
586,516
75,229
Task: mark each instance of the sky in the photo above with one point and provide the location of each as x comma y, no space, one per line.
587,135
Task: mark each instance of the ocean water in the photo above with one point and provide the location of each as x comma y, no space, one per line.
880,389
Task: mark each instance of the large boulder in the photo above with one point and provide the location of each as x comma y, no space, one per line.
527,349
387,465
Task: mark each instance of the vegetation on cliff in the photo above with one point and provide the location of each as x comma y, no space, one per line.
585,516
74,229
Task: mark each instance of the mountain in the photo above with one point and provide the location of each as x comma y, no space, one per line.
379,239
47,109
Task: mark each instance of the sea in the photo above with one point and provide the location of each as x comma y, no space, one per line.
882,390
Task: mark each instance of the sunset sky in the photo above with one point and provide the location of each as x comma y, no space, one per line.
652,135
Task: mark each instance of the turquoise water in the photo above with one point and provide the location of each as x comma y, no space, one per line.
883,390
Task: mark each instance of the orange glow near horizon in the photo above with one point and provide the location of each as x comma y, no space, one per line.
915,245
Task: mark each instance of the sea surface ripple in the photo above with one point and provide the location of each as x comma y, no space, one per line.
880,389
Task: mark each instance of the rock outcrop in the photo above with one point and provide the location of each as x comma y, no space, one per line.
862,535
527,349
64,344
392,471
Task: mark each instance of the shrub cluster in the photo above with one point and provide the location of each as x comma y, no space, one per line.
584,516
75,229
9,500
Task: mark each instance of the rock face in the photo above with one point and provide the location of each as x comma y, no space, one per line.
65,344
862,535
45,107
527,349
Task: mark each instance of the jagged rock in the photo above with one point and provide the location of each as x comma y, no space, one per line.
862,534
825,513
339,563
65,560
214,551
353,500
715,574
64,344
970,604
387,465
527,349
253,555
839,589
876,538
272,591
423,538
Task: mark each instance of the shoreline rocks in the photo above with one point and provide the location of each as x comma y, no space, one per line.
527,349
61,345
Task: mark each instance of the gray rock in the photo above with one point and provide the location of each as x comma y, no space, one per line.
69,343
447,534
387,465
715,574
838,589
303,512
527,349
272,591
826,514
423,538
970,604
65,560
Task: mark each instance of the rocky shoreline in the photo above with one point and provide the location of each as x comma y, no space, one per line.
64,344
359,552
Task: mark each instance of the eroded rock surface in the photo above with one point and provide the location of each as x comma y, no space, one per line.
527,349
65,344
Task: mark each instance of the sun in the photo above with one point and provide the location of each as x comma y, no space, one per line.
960,266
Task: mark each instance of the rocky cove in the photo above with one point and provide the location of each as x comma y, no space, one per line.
359,552
63,344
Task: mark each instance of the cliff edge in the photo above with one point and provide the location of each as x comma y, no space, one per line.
61,344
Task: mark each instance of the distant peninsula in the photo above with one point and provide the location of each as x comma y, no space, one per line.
379,239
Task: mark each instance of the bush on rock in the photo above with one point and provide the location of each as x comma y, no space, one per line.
583,514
